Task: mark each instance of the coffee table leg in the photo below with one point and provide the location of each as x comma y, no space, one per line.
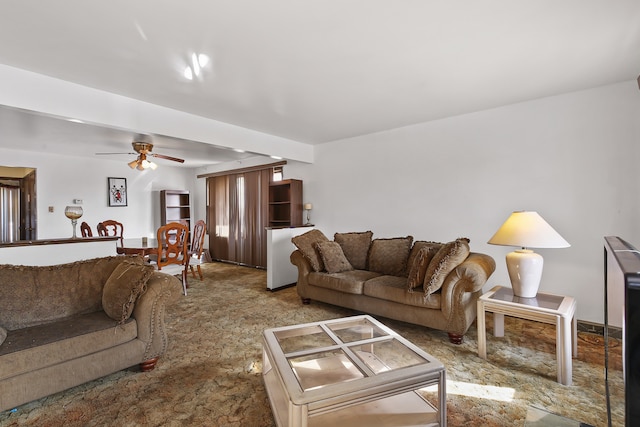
442,399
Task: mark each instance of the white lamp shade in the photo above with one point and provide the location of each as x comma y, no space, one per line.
308,206
527,230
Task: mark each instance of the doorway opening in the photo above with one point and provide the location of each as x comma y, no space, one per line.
18,213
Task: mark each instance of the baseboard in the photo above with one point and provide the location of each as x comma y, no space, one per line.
598,329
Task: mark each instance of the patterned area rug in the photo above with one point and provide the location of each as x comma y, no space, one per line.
211,375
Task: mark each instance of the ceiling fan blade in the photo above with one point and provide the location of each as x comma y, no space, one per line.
162,156
100,154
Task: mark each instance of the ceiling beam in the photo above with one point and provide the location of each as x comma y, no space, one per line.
63,99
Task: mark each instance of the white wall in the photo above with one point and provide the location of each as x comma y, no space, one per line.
61,179
573,158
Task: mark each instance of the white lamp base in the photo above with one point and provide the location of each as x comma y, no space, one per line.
525,272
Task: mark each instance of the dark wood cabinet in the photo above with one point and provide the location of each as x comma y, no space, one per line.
285,203
175,206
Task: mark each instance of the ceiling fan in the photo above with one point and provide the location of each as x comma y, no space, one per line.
143,150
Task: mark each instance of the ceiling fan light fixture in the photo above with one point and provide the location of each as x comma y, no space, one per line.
152,165
133,164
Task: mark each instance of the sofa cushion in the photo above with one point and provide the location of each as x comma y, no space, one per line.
123,287
3,334
444,261
418,266
394,288
306,244
355,246
31,348
332,257
389,256
350,282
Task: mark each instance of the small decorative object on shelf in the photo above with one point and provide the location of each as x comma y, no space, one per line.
73,213
308,207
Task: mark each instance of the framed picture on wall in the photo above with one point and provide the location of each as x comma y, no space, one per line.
117,189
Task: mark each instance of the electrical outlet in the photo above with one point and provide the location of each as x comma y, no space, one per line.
51,209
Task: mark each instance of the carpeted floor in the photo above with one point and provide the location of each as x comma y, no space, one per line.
211,375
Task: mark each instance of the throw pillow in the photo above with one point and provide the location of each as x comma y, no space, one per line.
389,256
418,267
417,245
3,334
122,288
333,258
444,261
306,244
355,247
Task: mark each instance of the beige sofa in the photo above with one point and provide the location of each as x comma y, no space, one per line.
425,283
63,325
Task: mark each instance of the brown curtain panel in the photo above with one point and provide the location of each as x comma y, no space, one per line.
239,207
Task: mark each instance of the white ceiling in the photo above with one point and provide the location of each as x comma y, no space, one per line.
318,71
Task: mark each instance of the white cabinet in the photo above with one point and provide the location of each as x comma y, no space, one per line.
280,271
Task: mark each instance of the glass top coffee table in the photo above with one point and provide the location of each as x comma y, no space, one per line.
351,371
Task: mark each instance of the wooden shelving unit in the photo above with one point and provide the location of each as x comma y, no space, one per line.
285,203
175,206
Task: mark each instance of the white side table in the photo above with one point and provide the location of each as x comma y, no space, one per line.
546,308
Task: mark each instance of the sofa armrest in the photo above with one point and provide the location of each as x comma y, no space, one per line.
304,269
468,277
161,290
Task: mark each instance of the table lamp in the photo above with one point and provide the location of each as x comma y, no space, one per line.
308,207
527,230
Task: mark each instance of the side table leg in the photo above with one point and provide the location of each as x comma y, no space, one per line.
482,331
564,335
498,324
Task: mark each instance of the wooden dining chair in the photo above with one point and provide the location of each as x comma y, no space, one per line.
85,229
172,256
197,247
111,228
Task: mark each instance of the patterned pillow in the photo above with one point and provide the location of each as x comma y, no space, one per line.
355,247
123,287
306,244
333,258
418,267
389,256
417,245
3,334
445,260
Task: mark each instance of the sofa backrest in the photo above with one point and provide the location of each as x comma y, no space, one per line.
32,295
